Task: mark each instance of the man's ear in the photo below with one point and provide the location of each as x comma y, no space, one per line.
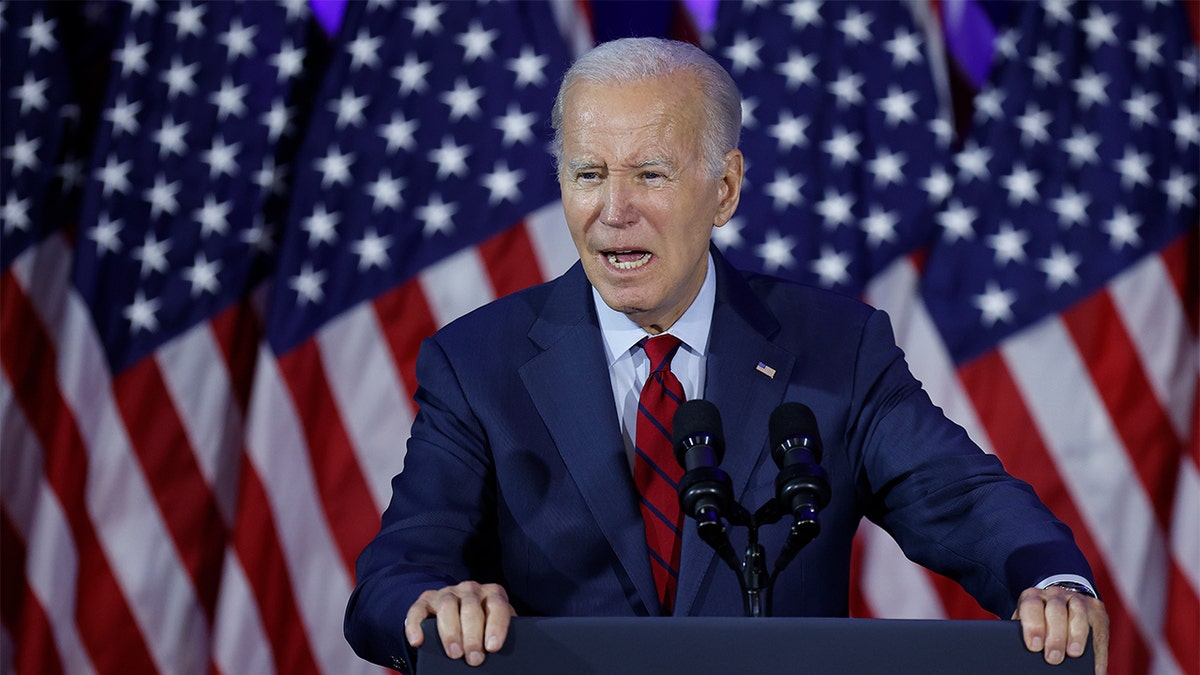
731,186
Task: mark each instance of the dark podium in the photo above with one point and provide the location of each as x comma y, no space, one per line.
661,646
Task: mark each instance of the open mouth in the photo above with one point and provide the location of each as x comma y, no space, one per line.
628,259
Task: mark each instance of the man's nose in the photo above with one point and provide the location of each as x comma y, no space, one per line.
618,209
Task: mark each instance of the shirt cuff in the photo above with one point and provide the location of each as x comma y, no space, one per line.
1073,578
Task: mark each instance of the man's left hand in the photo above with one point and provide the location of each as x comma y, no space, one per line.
1056,621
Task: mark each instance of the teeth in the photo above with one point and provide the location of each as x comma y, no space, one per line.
630,265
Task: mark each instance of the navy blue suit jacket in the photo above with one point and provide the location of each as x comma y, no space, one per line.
516,472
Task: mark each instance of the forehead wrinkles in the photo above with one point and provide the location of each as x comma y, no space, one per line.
602,132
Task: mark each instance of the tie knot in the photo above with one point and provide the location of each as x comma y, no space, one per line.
660,349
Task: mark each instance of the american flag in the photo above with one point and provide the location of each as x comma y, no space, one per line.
225,233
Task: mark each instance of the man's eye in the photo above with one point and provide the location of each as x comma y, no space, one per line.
588,175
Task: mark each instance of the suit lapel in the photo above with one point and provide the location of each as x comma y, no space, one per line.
570,385
741,338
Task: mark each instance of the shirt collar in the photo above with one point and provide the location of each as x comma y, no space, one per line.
621,334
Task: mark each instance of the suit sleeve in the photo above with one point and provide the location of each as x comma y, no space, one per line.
433,529
950,506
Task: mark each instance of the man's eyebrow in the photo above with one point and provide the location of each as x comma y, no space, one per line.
662,162
582,165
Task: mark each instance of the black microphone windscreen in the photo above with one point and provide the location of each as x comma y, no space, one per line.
794,420
697,416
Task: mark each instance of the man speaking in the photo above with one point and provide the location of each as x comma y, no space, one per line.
535,480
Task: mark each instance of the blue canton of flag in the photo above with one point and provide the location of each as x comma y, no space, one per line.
846,149
435,136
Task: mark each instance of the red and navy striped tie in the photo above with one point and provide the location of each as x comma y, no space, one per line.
655,471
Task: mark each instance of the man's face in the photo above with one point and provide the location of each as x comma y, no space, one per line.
639,200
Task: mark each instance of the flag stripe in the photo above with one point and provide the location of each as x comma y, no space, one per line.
241,643
510,260
456,285
406,320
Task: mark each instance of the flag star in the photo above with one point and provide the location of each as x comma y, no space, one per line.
426,18
335,167
107,236
1021,185
804,13
1186,128
140,7
463,101
1148,48
989,104
842,147
905,48
278,120
1099,28
23,153
832,267
743,54
238,40
897,106
529,67
321,226
437,216
784,190
1046,66
296,9
451,159
399,133
502,184
221,158
729,235
349,109
289,61
942,130
308,285
180,78
258,238
132,56
364,50
1009,244
856,26
880,226
1060,268
228,100
70,172
847,88
385,191
411,75
776,252
1081,146
123,115
114,175
1033,125
1189,68
887,167
1071,207
15,213
162,196
372,250
213,216
789,131
1091,88
836,208
1006,43
1122,229
142,314
972,161
270,177
995,304
202,275
1140,108
1134,168
938,185
957,221
170,137
749,105
31,93
477,43
40,34
1180,189
798,69
1058,11
152,254
188,20
517,126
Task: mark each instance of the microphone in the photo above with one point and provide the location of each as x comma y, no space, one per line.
801,486
705,491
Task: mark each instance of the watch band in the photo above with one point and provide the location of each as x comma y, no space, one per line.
1073,587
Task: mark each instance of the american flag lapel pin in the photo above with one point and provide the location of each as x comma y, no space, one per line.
765,370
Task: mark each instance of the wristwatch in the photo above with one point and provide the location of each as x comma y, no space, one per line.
1074,587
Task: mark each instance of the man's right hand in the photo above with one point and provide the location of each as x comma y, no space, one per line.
471,618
